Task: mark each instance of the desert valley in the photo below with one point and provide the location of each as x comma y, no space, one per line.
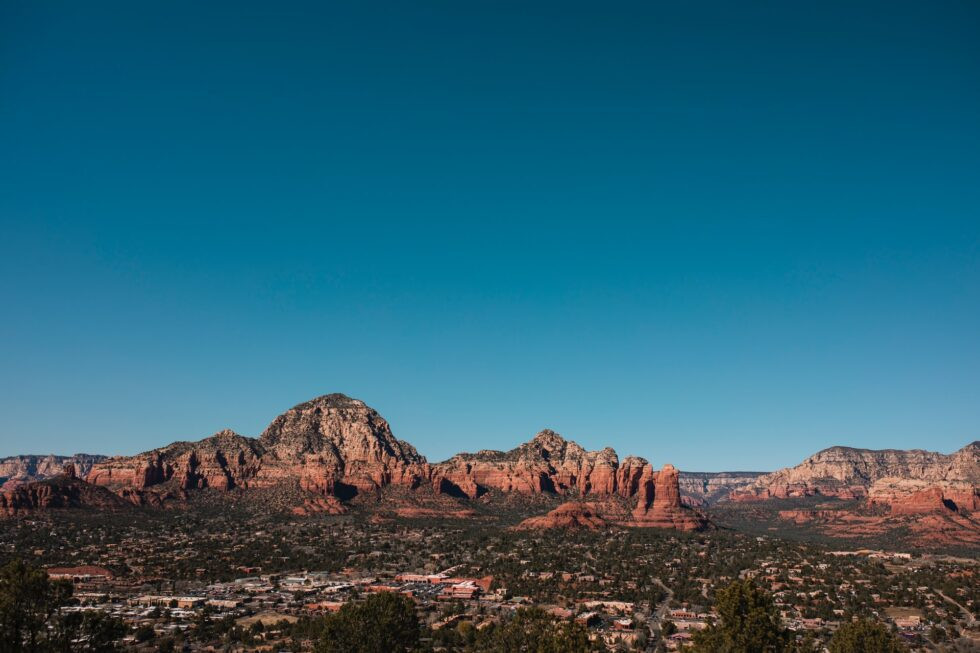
194,543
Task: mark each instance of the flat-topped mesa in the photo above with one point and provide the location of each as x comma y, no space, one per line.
659,503
339,445
849,473
546,464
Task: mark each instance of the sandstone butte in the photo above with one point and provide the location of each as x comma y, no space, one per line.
658,506
335,448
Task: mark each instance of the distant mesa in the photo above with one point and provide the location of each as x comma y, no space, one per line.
881,476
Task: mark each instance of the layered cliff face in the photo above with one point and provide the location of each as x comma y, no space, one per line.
332,445
224,461
340,445
547,463
17,470
573,514
659,503
849,473
62,491
709,488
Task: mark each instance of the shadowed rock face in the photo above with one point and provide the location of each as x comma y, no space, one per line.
224,461
336,447
339,445
659,503
333,445
17,470
64,491
548,463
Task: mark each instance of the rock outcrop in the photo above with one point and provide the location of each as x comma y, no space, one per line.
659,504
339,445
709,488
224,461
332,445
848,473
547,463
574,514
17,470
63,491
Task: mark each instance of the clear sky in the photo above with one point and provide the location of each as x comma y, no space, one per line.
719,234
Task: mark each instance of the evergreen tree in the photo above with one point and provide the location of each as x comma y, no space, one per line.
384,623
749,623
535,631
865,636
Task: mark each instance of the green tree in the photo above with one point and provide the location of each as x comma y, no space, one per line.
865,636
145,633
384,623
30,619
535,631
28,601
749,623
100,632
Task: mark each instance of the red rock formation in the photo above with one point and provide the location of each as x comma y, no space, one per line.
330,446
17,470
659,503
548,463
327,505
630,474
54,493
930,499
224,461
339,445
849,473
574,514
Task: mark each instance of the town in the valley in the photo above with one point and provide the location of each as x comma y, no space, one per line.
227,582
326,531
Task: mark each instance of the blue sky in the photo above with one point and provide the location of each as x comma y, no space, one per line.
722,235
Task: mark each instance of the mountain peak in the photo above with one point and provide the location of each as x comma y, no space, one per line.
336,427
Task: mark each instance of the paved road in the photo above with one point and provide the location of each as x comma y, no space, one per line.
660,611
970,620
665,604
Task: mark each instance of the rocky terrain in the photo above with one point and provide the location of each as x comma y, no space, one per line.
848,473
334,452
335,449
65,490
17,470
708,488
928,496
573,514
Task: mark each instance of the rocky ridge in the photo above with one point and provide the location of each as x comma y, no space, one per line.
708,488
65,490
335,448
885,475
17,470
